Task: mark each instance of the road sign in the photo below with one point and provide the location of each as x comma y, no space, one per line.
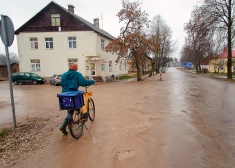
7,33
188,64
7,36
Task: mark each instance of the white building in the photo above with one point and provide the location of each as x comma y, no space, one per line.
56,37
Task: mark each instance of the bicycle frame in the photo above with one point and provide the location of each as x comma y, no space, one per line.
87,94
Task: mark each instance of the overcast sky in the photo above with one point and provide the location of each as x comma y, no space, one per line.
174,12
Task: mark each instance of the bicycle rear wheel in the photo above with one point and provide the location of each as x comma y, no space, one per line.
91,109
75,125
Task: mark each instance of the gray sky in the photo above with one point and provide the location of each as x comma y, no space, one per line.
174,12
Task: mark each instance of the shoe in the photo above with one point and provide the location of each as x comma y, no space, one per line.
64,131
63,127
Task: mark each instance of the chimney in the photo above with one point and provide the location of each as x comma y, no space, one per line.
71,8
96,22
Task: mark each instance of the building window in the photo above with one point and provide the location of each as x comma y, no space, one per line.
72,42
125,66
55,20
33,42
49,43
35,64
110,66
120,66
72,61
102,44
102,67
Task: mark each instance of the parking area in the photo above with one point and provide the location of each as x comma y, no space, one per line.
30,100
40,100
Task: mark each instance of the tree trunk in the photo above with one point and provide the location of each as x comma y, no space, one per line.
229,63
156,65
145,68
199,65
138,70
142,68
159,65
152,69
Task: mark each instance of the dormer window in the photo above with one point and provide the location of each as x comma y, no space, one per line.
55,20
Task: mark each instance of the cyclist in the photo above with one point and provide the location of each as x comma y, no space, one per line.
70,81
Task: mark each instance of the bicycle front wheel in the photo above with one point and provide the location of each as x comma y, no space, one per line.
76,126
91,109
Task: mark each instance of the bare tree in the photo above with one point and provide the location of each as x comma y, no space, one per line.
13,58
163,37
200,39
3,59
186,53
219,15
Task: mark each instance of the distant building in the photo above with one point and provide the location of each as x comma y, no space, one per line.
219,63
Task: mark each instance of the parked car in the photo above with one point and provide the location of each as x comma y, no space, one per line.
55,79
27,77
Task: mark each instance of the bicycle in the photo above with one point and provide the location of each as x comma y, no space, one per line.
80,116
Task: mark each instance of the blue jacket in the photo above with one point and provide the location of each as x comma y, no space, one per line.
71,80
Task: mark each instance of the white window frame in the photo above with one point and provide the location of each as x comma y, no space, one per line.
102,44
35,65
72,61
49,42
72,41
110,66
33,42
55,20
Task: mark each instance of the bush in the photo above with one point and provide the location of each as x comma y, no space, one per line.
3,133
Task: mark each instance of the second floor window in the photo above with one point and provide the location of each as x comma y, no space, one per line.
34,43
72,42
102,44
55,20
49,43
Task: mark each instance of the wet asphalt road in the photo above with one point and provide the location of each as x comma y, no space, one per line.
204,134
183,121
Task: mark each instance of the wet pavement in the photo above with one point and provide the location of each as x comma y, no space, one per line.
185,120
30,101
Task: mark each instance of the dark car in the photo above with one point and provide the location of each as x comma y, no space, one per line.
55,79
27,77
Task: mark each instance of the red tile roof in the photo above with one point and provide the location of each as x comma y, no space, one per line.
225,54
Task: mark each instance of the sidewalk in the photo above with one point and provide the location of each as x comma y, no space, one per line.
207,74
133,79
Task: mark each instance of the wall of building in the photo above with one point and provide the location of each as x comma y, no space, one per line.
55,61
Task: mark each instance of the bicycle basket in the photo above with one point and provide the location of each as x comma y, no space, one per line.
71,100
